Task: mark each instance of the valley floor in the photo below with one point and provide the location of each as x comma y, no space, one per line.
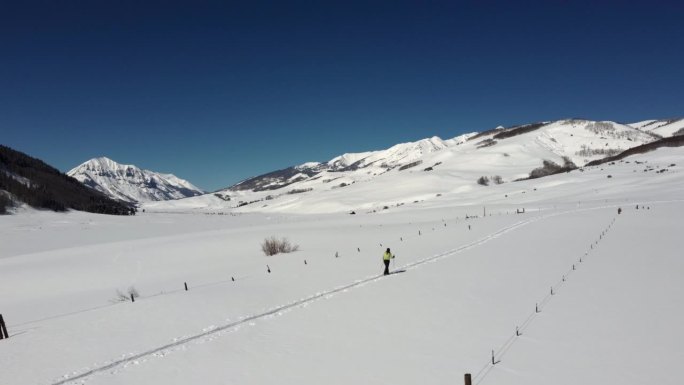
324,314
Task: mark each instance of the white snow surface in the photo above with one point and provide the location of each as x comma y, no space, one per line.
421,170
131,184
664,128
325,315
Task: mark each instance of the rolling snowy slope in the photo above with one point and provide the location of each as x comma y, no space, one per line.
465,287
423,170
664,128
130,183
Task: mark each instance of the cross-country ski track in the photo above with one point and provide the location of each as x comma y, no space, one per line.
159,351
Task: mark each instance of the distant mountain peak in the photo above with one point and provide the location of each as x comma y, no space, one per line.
130,183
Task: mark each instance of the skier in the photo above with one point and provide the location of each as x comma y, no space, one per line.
386,259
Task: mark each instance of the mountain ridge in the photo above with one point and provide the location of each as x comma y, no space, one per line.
130,183
28,180
426,168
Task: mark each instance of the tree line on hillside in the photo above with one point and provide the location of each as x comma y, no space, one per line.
39,185
673,141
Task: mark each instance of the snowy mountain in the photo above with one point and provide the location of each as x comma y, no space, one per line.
574,278
664,128
29,182
518,283
373,162
130,183
426,169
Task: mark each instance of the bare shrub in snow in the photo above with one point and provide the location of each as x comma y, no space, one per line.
483,180
123,297
587,151
486,143
548,168
497,179
568,163
600,128
272,246
224,197
409,165
300,190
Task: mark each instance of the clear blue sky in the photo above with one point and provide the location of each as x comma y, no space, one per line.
215,92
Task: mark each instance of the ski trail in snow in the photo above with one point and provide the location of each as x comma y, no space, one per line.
160,351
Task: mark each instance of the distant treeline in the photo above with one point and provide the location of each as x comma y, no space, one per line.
674,141
35,183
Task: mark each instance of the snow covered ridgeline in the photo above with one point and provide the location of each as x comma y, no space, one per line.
463,294
407,155
664,128
423,170
130,183
27,181
373,161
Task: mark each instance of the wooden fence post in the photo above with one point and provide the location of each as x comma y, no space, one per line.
468,380
186,286
3,328
132,298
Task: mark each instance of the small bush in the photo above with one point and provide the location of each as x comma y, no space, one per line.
123,297
409,165
483,180
300,190
568,164
486,143
224,197
587,151
497,179
272,246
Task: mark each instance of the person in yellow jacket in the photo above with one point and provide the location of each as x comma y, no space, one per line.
386,259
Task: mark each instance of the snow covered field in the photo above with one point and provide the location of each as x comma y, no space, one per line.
467,285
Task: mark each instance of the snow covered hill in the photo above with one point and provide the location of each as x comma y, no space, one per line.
422,170
26,181
664,128
595,296
130,183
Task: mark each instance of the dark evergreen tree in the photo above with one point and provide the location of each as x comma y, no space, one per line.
39,185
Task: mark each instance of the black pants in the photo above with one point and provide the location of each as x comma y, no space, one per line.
386,266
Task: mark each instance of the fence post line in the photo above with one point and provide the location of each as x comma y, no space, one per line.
468,380
3,328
